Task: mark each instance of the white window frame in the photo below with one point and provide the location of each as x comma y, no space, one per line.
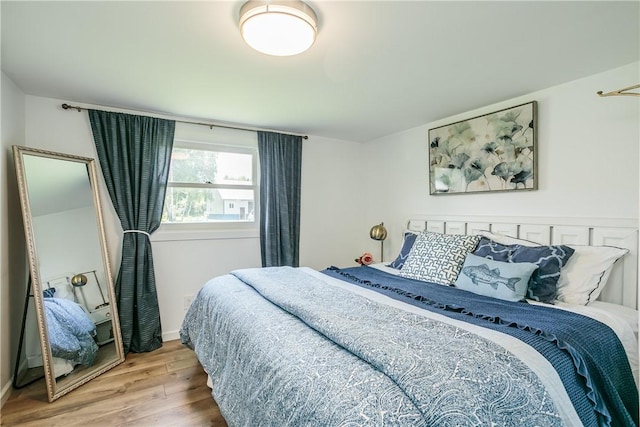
222,229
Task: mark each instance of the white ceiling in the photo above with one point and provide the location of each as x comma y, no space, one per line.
376,68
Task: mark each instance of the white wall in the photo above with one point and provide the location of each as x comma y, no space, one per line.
333,230
587,160
331,210
13,270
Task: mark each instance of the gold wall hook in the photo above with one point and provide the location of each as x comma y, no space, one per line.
621,92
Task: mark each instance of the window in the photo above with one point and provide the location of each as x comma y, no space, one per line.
211,184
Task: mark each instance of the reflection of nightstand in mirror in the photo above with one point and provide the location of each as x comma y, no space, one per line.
104,327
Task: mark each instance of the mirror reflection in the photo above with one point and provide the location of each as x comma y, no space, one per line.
72,283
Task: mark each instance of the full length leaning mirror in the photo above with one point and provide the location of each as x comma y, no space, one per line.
71,282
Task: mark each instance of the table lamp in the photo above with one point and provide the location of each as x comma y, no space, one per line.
378,232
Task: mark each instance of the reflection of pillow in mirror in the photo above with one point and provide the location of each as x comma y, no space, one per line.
49,292
503,280
65,292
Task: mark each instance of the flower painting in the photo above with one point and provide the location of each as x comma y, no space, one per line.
494,152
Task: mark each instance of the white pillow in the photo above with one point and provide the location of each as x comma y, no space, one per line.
65,291
585,274
507,240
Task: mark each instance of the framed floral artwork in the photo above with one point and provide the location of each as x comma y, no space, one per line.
492,152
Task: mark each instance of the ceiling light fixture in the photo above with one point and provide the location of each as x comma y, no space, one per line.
279,28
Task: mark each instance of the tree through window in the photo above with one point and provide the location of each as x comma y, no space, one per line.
210,184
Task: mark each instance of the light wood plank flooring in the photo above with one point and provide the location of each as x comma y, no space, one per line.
166,387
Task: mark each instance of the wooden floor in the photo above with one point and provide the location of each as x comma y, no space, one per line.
166,387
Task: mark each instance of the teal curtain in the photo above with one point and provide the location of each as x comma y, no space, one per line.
134,153
280,171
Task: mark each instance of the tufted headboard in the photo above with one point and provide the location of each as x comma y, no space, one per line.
622,287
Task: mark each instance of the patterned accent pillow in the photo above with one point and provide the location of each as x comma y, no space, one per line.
437,257
549,259
496,279
407,244
49,292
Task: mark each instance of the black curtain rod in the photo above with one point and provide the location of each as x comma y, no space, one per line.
211,125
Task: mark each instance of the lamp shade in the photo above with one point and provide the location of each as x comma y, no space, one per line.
79,280
378,232
279,28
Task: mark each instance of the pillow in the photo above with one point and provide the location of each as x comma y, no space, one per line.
503,280
506,240
49,292
550,260
65,292
407,243
437,257
586,273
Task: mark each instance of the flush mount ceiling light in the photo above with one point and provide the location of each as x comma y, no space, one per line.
279,28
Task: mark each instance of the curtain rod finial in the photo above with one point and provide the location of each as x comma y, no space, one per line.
67,106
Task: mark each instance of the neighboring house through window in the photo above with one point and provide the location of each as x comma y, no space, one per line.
212,185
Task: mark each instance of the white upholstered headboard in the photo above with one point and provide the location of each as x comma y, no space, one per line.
622,287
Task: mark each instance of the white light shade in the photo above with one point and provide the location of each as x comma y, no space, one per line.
280,28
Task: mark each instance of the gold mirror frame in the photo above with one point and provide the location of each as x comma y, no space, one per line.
111,355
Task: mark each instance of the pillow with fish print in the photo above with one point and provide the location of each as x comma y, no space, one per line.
503,280
549,259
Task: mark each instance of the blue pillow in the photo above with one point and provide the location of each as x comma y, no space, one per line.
49,292
497,279
407,244
549,259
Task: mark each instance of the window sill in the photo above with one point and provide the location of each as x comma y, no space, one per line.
170,235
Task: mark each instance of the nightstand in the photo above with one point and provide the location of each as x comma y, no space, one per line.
104,327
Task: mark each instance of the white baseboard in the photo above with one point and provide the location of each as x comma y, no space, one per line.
32,362
6,391
170,336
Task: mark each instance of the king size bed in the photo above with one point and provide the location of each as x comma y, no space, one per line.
464,328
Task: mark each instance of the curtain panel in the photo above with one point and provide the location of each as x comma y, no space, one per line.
134,153
280,172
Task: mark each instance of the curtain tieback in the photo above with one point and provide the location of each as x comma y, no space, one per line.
137,231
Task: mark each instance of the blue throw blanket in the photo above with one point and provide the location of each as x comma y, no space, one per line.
587,354
70,331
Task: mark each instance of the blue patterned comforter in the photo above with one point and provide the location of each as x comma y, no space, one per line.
70,331
286,348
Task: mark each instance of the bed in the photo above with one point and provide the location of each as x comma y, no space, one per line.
380,345
70,328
